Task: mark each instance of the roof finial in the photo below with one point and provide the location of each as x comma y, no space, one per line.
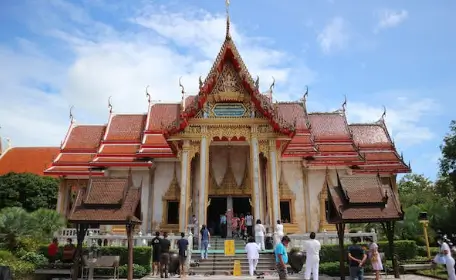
306,94
200,81
227,6
8,141
182,92
71,114
110,104
344,105
271,89
147,94
382,118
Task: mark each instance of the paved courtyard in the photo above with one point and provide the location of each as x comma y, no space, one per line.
297,276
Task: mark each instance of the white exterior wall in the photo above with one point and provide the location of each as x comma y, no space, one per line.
292,172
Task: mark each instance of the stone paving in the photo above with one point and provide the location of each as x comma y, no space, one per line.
322,277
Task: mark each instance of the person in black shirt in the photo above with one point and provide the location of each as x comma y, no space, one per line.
156,253
165,244
356,258
182,244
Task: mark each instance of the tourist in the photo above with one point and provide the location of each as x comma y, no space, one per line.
223,226
356,258
312,249
235,225
281,257
182,245
260,232
374,257
279,232
205,239
165,244
68,251
242,226
156,253
53,249
446,258
249,224
252,249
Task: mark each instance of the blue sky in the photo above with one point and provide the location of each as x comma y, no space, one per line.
400,54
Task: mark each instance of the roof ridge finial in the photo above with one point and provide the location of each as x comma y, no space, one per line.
182,92
271,89
71,114
227,7
147,94
382,118
304,97
110,104
344,105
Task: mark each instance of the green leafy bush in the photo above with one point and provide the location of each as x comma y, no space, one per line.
422,251
333,268
404,249
39,260
138,271
6,256
21,269
141,255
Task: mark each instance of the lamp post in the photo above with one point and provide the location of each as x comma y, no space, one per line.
423,218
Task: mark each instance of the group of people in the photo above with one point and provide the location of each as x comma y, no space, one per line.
357,256
161,257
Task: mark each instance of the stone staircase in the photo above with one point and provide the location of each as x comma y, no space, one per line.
219,264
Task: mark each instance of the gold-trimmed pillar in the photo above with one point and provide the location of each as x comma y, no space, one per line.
184,183
255,171
273,170
204,177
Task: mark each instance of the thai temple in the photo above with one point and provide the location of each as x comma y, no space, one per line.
229,147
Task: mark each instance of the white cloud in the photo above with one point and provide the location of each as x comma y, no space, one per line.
334,35
389,19
403,118
110,61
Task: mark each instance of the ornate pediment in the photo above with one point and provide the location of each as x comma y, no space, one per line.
173,192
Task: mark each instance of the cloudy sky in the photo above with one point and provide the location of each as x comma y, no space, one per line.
56,54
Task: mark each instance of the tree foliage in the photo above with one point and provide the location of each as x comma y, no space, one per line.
28,191
448,160
16,225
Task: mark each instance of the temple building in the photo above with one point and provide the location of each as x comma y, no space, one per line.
229,147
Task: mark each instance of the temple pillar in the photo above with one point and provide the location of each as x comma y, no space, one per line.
184,185
150,213
305,188
275,215
62,197
204,178
255,167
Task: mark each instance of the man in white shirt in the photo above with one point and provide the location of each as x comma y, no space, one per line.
253,255
312,249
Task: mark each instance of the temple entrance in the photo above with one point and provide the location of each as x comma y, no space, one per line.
241,205
215,209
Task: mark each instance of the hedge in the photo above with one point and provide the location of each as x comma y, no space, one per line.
404,249
333,268
141,255
422,251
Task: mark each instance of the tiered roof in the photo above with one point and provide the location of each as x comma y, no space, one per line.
27,159
322,139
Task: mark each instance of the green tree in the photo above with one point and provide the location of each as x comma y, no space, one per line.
448,160
28,191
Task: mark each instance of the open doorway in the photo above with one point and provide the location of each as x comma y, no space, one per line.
215,209
241,205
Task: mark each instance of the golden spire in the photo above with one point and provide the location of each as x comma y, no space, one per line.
227,6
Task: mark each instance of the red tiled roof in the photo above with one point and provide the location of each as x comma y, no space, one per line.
72,171
120,149
84,137
328,125
101,195
73,159
369,134
293,112
368,201
162,115
27,159
125,128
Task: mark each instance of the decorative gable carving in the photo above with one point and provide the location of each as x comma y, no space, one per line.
173,192
284,190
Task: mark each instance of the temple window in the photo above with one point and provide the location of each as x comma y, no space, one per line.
285,211
172,217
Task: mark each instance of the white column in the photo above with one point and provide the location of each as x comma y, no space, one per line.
202,205
150,201
255,161
184,187
274,181
61,197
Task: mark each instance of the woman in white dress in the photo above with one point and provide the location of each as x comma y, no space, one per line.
444,257
279,232
260,231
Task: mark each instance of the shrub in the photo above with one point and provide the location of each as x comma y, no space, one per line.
138,271
333,268
6,256
20,269
141,255
404,249
422,251
38,260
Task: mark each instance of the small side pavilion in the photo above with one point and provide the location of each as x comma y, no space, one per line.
106,201
366,199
